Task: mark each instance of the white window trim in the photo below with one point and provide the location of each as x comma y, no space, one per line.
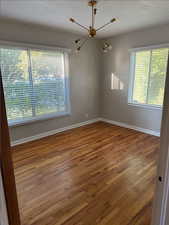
25,46
65,51
150,47
147,106
132,75
17,123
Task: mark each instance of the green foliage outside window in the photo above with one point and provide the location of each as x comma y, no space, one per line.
150,74
34,82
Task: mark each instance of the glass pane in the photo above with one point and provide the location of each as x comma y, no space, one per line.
157,76
141,77
14,65
48,81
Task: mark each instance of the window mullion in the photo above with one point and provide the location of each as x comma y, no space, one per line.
149,74
65,84
133,68
31,84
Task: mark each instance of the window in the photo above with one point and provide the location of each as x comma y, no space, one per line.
148,73
35,83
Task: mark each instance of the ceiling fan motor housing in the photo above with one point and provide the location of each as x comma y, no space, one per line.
92,32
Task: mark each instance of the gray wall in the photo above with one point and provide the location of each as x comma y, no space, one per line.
114,104
90,77
84,75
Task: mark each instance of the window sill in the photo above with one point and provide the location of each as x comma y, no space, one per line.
146,106
39,118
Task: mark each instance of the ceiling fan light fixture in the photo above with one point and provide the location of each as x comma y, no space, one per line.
77,50
72,20
91,30
106,47
105,50
77,41
110,47
113,20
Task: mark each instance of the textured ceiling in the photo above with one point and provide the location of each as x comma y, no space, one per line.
131,15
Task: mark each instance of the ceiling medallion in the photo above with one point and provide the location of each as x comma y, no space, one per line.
91,30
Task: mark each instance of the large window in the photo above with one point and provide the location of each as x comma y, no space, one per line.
35,83
148,73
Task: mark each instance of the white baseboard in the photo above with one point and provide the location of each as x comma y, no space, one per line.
147,131
52,132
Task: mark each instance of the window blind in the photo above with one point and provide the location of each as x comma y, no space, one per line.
149,76
34,83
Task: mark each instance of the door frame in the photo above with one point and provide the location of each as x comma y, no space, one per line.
162,182
6,165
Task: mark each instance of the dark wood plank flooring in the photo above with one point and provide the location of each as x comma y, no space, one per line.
98,174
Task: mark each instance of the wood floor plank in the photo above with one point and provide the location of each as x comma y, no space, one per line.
98,174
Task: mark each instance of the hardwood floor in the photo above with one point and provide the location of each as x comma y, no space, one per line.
98,174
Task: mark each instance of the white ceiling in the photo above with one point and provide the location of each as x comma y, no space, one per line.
130,14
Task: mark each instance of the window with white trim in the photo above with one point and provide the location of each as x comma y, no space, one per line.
148,73
35,83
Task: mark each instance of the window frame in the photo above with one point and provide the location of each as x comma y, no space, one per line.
132,53
66,52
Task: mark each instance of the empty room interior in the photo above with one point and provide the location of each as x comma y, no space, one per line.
84,86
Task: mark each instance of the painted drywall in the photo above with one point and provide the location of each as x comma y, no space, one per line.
114,104
167,216
90,77
84,76
3,211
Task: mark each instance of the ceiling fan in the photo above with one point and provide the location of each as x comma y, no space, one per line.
91,30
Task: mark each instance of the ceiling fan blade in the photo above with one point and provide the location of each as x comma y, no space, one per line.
113,20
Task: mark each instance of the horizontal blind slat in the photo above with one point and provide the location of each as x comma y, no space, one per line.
149,78
45,90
